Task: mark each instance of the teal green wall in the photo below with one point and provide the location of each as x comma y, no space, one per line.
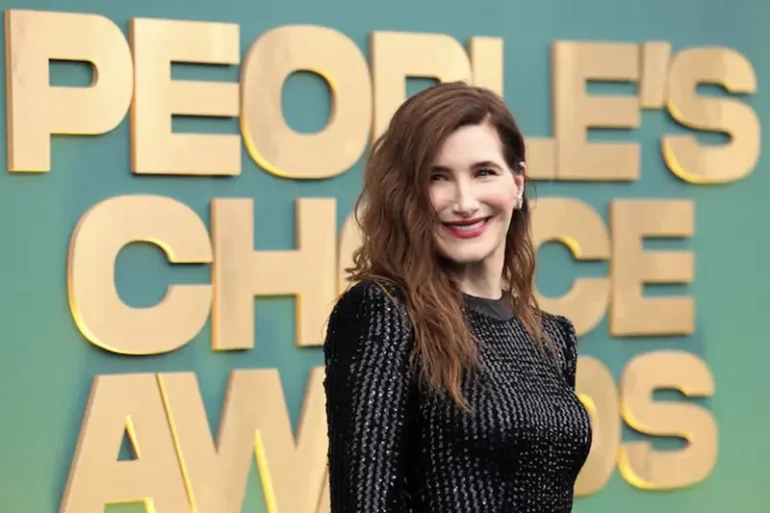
46,367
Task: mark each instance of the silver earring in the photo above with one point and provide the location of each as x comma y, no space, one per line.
520,202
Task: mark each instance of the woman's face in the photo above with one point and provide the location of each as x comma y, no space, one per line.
474,193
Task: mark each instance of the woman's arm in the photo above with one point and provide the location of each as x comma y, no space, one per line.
369,399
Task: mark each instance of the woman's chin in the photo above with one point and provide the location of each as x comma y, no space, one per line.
465,257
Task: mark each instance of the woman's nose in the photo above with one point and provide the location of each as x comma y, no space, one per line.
466,202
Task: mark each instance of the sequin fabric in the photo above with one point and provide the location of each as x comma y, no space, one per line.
396,447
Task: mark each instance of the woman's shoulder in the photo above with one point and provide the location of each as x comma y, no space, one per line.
371,297
562,333
368,316
374,289
560,329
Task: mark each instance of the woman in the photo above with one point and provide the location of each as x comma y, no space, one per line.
447,389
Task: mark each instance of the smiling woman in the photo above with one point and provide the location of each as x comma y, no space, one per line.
448,390
474,193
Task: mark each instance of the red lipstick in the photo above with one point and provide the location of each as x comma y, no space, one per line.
467,228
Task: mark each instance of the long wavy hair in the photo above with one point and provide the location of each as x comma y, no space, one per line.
398,225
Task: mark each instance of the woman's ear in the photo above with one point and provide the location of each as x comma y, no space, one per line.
518,178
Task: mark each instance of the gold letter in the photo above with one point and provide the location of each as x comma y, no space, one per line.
119,405
597,391
273,145
639,464
254,423
155,149
574,64
577,226
37,110
541,158
96,307
631,313
686,158
487,63
655,63
399,55
239,273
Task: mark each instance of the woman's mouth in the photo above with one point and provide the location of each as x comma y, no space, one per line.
467,229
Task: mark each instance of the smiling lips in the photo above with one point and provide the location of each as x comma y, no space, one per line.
467,229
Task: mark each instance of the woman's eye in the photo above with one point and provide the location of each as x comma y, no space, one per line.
486,172
436,177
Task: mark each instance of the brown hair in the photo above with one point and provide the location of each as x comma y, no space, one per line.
397,224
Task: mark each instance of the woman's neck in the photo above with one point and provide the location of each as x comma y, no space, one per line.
479,280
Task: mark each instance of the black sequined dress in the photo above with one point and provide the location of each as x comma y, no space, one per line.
395,447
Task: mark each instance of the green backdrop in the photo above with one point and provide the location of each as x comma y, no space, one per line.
46,366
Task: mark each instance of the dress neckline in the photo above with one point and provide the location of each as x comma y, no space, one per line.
499,309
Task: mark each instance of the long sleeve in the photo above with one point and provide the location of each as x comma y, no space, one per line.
369,401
